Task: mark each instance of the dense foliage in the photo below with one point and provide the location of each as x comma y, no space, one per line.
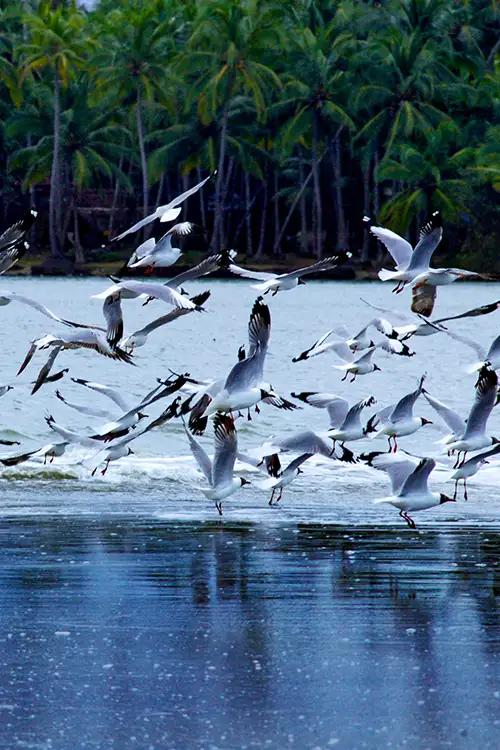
314,113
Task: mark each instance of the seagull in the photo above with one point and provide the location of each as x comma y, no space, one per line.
139,338
414,325
286,477
409,478
79,338
273,282
131,289
167,212
471,467
397,421
357,342
151,254
490,357
409,262
424,286
450,417
361,365
305,441
243,386
219,474
112,312
474,438
114,452
345,423
5,389
51,450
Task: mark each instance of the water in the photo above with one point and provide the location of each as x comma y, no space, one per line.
133,618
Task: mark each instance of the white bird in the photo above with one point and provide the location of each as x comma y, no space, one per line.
424,285
12,244
51,450
471,467
113,452
273,282
244,385
487,357
358,341
361,365
412,325
6,297
409,479
409,262
129,289
220,473
304,441
450,417
475,437
398,421
345,422
163,253
285,477
167,212
5,389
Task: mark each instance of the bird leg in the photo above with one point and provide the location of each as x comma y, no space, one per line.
456,489
455,465
463,459
45,459
257,410
389,442
272,496
465,489
279,496
219,507
93,472
105,468
345,377
395,444
409,521
353,377
249,416
52,458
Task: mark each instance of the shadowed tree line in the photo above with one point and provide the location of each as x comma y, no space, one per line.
314,113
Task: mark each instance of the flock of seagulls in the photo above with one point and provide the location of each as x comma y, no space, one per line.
215,405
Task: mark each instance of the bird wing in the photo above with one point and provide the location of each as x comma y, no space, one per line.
246,373
212,263
423,299
112,311
430,237
226,447
395,314
404,407
484,401
305,441
476,311
295,464
450,417
111,393
259,328
145,248
398,247
11,255
14,297
200,456
175,202
416,482
42,375
322,265
84,409
70,436
397,467
318,347
158,291
367,355
494,351
352,419
247,273
343,351
15,233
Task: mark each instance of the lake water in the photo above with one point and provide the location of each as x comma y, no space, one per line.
132,617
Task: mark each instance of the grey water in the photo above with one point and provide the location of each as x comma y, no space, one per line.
132,617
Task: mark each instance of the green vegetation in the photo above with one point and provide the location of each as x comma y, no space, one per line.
313,112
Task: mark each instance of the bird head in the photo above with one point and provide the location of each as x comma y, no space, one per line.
446,499
244,481
425,421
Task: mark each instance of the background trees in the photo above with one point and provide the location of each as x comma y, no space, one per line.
313,112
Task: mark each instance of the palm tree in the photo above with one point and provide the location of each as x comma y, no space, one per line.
228,55
56,42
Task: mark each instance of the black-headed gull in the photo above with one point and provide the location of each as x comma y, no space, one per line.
219,473
163,253
470,467
167,212
398,421
409,477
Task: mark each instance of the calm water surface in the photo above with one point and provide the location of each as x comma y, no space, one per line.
132,618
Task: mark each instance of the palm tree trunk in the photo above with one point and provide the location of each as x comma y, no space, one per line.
201,193
317,213
55,175
276,206
248,214
215,241
159,192
335,156
79,254
115,199
302,209
142,153
366,166
263,218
